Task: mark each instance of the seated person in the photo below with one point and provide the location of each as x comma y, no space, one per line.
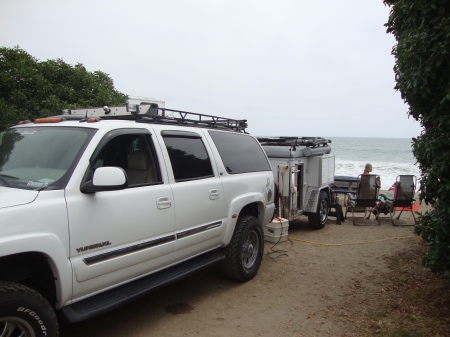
368,170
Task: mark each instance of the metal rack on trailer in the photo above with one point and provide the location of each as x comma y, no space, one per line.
152,113
294,141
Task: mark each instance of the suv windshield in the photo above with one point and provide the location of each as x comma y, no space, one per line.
40,158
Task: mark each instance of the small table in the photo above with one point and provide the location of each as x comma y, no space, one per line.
349,180
351,183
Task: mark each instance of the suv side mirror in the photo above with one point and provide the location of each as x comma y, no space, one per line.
107,178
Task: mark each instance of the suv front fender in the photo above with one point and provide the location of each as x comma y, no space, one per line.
52,249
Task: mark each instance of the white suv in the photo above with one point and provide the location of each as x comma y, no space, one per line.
95,211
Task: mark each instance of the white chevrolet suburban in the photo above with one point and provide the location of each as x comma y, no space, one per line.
100,206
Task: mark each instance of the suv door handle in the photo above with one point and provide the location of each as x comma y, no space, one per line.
163,202
214,194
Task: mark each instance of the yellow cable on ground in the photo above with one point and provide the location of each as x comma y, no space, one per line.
355,243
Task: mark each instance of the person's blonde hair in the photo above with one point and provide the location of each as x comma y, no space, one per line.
368,167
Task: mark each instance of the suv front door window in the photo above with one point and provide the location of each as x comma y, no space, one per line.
135,154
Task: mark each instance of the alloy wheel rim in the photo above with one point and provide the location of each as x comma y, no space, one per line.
323,211
15,327
250,249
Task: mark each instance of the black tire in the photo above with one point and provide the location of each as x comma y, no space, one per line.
318,220
24,312
245,251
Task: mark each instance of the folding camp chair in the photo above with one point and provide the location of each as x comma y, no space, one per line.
366,197
403,197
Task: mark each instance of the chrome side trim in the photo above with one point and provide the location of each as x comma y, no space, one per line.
127,250
197,230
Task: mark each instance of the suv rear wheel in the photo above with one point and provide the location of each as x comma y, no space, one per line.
244,252
24,312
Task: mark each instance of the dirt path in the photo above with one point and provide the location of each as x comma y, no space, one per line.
302,289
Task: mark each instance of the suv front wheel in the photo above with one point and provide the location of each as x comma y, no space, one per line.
24,312
244,252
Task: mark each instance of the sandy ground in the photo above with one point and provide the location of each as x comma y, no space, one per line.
303,288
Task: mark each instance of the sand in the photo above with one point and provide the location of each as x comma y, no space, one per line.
305,287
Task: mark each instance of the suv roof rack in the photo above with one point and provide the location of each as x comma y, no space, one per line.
152,113
294,141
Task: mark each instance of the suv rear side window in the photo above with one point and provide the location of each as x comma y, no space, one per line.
188,155
240,153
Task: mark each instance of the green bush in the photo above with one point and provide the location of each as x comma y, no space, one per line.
422,68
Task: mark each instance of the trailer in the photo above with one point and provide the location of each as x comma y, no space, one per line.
303,169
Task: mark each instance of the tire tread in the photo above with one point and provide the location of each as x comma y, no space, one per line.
230,267
11,292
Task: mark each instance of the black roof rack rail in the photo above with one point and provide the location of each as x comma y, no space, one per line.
151,113
294,141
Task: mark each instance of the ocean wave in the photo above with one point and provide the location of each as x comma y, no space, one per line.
388,171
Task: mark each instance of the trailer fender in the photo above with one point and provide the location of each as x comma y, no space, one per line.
312,198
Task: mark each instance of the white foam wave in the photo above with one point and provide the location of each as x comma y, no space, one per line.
387,171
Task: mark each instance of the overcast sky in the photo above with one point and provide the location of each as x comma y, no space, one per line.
318,68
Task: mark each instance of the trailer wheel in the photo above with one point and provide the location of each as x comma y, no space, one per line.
24,312
317,220
245,250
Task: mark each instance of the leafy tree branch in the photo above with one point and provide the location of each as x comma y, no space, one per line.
31,89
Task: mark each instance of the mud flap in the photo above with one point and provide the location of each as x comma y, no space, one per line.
312,198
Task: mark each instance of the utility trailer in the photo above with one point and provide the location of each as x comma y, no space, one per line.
303,171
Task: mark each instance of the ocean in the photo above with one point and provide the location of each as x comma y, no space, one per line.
388,156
